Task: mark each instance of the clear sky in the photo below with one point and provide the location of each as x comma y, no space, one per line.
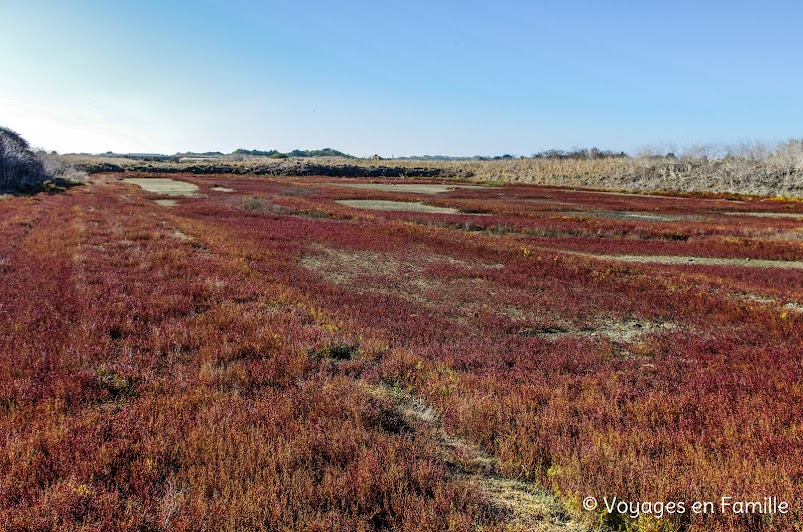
398,78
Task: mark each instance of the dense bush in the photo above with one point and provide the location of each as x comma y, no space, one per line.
19,166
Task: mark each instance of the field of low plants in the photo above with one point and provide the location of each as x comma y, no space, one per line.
288,353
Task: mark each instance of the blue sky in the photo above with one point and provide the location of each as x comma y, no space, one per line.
454,78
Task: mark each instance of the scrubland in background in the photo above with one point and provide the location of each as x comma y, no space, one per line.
24,170
19,166
751,168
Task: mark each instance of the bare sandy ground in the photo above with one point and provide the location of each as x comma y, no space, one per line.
767,214
698,261
166,187
764,300
409,188
386,205
166,202
617,331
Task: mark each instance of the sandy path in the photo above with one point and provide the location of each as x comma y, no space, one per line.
797,215
695,261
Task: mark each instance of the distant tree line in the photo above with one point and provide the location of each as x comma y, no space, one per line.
326,152
256,153
575,154
580,154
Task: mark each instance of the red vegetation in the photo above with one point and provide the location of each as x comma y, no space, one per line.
211,365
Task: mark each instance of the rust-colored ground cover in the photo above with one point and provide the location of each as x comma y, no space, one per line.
269,358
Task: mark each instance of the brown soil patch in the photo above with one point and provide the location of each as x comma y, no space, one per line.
617,331
382,273
340,265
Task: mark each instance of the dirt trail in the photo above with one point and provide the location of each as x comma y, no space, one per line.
526,507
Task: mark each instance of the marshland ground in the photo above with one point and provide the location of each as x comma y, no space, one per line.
222,351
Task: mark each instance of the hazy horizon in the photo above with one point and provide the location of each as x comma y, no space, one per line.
455,79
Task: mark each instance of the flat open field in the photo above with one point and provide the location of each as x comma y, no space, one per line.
267,353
